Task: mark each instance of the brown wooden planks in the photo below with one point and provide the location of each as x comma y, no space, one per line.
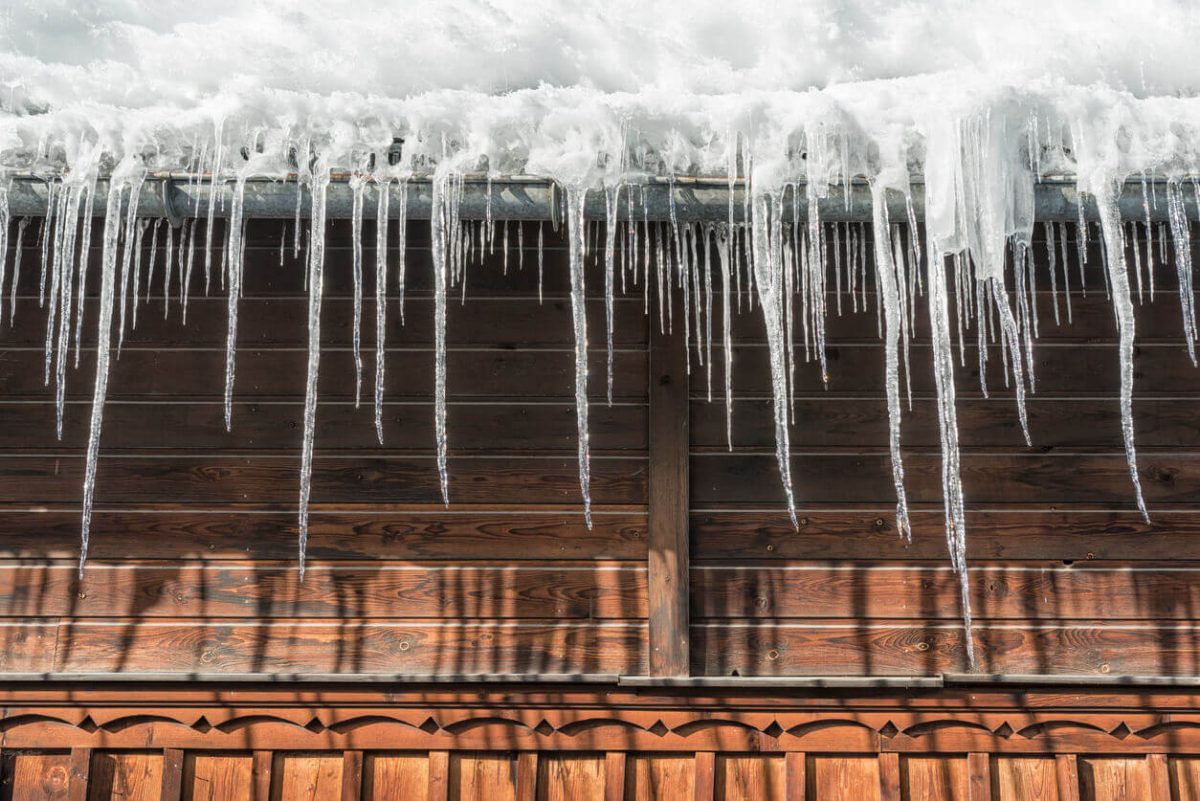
368,532
750,778
315,777
126,776
571,777
1024,779
395,775
1049,591
218,776
833,778
650,778
37,777
1113,779
588,590
302,646
940,778
483,777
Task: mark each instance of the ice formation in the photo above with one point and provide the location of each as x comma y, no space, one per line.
972,103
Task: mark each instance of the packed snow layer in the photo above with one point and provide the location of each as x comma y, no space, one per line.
797,100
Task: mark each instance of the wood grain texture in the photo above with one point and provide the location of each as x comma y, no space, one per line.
126,777
391,775
832,778
1184,778
936,779
668,503
37,777
650,778
1113,779
483,777
218,776
570,777
308,776
751,778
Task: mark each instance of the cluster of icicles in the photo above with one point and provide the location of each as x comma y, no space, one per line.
782,261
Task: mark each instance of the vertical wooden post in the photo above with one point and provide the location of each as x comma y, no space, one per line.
352,775
262,765
668,496
979,777
172,775
889,776
614,776
1068,777
704,783
439,776
81,769
795,782
527,771
1160,777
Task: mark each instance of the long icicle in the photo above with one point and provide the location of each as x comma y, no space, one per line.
439,245
577,233
233,268
381,246
316,274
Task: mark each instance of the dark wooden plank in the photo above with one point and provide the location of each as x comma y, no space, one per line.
172,775
857,423
1001,478
668,502
1026,591
1160,777
1074,368
882,647
266,480
128,776
81,770
991,535
601,590
262,772
350,646
378,531
352,775
180,373
192,427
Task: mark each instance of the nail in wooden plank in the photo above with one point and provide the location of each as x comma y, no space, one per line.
794,765
889,777
172,775
1068,777
706,776
352,775
614,776
439,776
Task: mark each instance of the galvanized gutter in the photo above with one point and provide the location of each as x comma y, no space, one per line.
177,196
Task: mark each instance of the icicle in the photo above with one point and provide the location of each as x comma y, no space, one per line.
768,270
577,233
168,261
1062,252
612,196
316,269
233,260
1181,236
5,225
108,279
139,236
357,183
213,178
22,224
381,245
889,298
1052,255
1110,227
70,225
47,231
725,252
127,257
952,492
540,261
440,221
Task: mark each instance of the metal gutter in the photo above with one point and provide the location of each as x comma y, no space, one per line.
173,197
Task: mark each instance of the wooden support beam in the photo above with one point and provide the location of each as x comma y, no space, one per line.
795,782
889,776
1160,777
81,769
439,776
261,774
704,784
979,777
352,775
527,770
1068,777
614,776
668,496
172,775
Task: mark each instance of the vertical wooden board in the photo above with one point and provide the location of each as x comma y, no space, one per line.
1113,779
750,778
836,778
126,776
614,775
483,777
934,778
36,777
395,776
651,778
1025,779
218,777
308,777
567,777
1185,778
